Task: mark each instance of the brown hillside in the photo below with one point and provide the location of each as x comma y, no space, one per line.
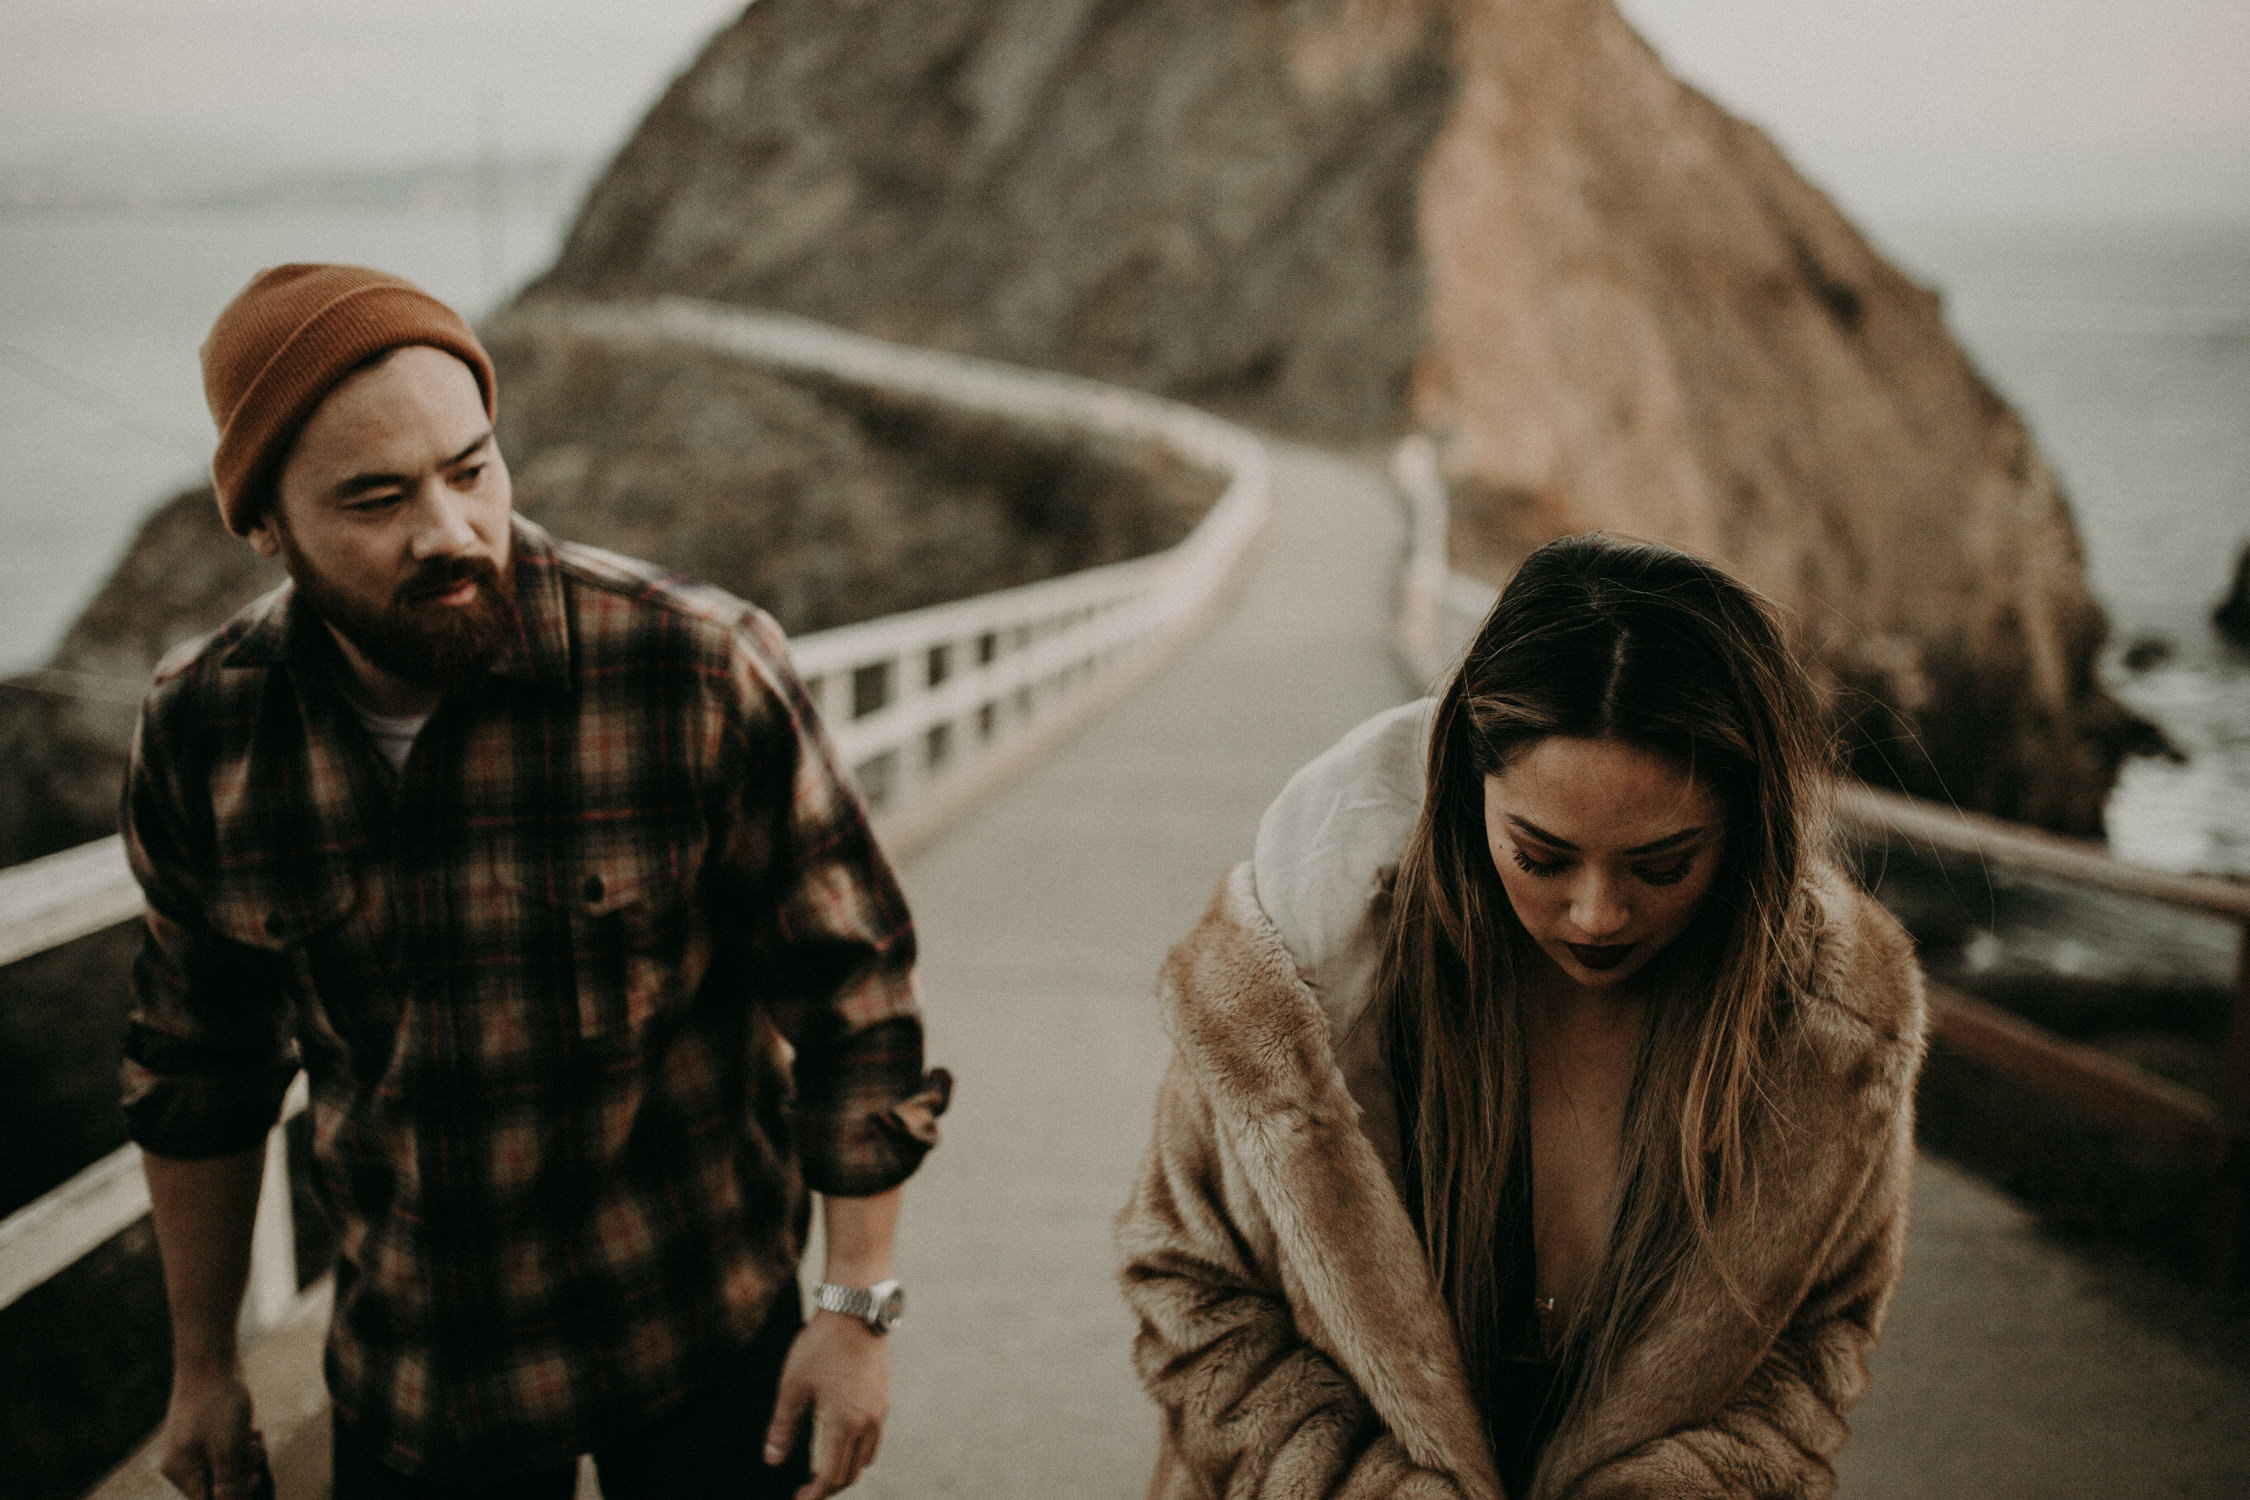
1501,221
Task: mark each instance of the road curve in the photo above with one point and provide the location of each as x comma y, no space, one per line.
1043,916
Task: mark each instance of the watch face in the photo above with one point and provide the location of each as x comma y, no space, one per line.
889,1309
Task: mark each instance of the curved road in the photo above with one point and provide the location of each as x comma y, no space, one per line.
1043,916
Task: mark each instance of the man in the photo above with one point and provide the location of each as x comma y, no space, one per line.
537,861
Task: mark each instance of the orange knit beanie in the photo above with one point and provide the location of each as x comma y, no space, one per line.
287,340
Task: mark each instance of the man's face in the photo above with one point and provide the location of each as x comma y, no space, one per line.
391,514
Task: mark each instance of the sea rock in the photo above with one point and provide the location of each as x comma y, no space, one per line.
2147,653
2233,613
824,503
1501,221
1214,199
64,731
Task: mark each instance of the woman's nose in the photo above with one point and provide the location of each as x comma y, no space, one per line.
1596,910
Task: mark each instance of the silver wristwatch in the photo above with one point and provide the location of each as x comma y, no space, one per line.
879,1306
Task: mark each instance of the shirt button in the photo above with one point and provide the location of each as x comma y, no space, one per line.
593,888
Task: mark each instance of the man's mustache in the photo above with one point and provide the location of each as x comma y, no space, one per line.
440,574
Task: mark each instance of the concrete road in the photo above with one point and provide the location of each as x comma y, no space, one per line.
1043,917
2004,1375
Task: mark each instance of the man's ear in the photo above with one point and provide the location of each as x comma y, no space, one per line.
264,533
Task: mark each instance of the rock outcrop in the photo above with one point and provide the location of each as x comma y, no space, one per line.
1501,221
64,732
2232,614
1211,200
824,503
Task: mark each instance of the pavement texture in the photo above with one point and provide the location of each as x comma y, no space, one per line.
2004,1374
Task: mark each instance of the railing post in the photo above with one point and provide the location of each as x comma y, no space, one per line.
273,1246
1414,468
2231,1182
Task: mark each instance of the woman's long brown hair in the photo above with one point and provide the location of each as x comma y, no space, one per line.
1600,638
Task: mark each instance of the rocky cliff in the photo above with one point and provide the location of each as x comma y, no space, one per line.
1501,221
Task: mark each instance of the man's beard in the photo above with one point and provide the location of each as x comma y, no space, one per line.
426,645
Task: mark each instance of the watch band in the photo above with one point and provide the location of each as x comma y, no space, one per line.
879,1306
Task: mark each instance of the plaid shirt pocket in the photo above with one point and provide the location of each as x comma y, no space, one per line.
629,927
280,910
298,920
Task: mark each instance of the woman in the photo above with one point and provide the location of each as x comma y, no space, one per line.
1540,1121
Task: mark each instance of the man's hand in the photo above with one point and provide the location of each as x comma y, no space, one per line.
203,1212
840,1370
211,1452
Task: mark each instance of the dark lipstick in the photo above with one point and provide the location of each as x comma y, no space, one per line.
1599,956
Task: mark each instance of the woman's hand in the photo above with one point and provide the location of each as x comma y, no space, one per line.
838,1371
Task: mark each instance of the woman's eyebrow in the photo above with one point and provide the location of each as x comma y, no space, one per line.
1663,845
1542,834
1669,842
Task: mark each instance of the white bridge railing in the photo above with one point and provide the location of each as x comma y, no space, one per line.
931,708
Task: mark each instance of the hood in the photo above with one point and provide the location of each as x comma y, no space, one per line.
1329,846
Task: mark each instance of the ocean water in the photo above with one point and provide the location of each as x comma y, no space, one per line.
2126,345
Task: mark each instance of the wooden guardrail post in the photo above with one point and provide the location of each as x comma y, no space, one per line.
271,1295
2230,1187
1421,626
2211,1133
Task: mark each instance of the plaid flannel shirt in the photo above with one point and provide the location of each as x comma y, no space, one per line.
589,995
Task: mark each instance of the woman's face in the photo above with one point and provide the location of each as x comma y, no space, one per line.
1605,849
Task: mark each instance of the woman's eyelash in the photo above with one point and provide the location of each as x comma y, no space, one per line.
1671,875
1530,866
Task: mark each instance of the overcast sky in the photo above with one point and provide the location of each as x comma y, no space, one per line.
337,81
1993,105
2066,105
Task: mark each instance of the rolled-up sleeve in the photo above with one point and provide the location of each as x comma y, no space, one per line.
209,1050
829,936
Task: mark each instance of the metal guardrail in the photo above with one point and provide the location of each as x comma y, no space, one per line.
1440,610
918,703
2209,1135
48,902
931,708
43,904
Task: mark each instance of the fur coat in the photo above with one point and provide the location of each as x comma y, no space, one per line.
1290,1330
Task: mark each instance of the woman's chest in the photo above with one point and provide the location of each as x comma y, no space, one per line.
1579,1092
